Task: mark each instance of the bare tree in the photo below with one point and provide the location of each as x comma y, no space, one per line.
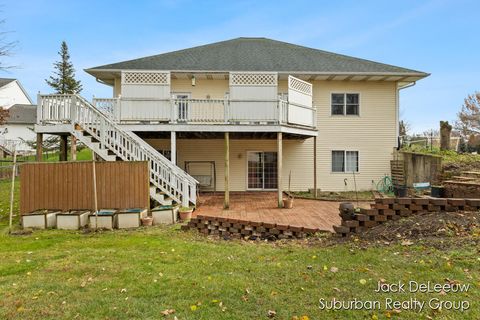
6,47
469,116
404,128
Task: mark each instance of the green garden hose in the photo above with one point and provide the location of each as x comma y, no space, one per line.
385,185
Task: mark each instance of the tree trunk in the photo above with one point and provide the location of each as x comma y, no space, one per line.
445,131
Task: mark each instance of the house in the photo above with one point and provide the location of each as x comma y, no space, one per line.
12,92
246,114
22,116
19,127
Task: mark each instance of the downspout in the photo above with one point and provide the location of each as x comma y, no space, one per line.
397,102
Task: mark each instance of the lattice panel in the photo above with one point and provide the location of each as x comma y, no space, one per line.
299,85
253,79
158,78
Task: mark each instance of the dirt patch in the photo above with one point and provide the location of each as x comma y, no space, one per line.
438,224
441,230
452,169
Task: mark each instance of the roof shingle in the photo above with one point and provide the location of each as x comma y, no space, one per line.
257,54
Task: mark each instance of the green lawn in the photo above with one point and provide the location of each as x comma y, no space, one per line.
138,274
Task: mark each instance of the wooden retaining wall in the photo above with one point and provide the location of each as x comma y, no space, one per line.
409,168
69,185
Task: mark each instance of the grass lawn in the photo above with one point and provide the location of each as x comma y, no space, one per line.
83,154
138,274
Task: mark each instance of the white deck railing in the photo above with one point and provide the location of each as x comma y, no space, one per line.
207,111
73,109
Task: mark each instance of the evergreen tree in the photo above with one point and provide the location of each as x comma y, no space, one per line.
63,81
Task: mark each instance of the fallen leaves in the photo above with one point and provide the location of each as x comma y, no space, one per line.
334,269
363,281
271,313
406,242
167,312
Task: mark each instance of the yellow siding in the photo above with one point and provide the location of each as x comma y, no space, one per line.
203,89
373,134
212,150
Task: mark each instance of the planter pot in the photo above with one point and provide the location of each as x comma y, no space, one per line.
185,215
347,210
147,221
438,192
400,191
288,203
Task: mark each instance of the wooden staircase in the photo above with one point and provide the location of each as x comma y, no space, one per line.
169,184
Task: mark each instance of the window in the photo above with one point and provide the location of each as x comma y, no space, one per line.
345,104
344,161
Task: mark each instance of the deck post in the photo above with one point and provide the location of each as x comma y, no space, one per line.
73,147
279,169
173,147
39,147
226,200
63,147
315,167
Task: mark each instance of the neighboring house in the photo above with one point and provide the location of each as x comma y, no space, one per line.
12,92
22,116
261,110
19,127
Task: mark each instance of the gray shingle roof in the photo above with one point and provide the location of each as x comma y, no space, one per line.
257,54
22,114
5,81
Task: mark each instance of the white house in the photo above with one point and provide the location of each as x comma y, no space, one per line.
246,113
12,92
22,116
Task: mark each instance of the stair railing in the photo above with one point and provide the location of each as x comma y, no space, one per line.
74,109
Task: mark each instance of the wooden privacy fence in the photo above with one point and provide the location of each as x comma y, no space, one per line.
69,185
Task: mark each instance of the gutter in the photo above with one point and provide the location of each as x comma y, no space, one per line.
103,82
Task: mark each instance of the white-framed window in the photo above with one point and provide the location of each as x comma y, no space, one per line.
345,104
344,161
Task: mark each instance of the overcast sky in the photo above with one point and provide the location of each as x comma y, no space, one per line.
438,37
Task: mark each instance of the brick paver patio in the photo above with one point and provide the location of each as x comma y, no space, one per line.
262,207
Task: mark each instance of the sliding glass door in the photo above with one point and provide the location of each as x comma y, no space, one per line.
261,170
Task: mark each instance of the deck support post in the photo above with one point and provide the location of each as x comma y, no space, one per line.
279,169
315,167
63,147
173,147
73,147
39,147
226,200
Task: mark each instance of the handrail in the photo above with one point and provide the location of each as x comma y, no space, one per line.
163,174
213,115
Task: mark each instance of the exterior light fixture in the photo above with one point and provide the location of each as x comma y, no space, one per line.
193,81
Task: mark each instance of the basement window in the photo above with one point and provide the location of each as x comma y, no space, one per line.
345,104
344,161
